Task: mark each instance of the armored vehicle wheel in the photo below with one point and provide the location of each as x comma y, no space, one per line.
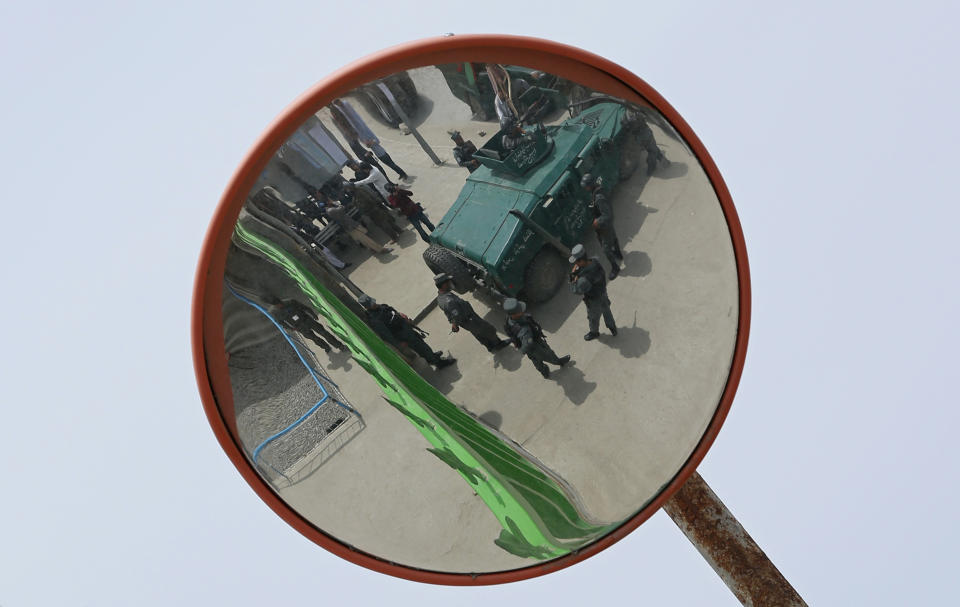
544,275
440,260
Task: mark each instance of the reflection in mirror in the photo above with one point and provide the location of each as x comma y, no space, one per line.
477,316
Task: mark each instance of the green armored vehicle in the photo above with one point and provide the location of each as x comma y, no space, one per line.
517,216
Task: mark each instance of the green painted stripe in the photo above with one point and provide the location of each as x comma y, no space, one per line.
539,519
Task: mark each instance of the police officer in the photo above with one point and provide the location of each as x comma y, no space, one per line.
396,329
461,315
603,222
636,124
526,334
294,315
587,279
463,152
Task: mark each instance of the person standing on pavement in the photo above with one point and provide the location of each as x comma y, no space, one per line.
460,314
294,315
587,279
603,222
356,131
397,330
364,174
463,152
527,335
634,122
400,199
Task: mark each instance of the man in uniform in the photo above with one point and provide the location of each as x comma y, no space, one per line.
396,329
587,279
294,315
527,336
603,222
461,314
463,152
635,123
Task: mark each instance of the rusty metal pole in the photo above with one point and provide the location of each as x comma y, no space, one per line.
729,549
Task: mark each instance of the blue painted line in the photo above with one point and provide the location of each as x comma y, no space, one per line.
313,373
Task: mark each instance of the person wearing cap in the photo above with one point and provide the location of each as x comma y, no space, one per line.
396,329
527,335
463,152
603,222
587,279
294,315
460,314
399,199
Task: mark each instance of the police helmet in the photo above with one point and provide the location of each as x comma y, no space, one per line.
588,180
366,301
578,252
513,306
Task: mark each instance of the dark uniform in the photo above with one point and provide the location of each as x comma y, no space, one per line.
590,282
603,224
463,154
294,315
645,138
395,328
527,335
268,201
461,315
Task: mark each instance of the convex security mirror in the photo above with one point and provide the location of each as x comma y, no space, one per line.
472,309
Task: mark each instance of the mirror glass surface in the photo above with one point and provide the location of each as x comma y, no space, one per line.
410,421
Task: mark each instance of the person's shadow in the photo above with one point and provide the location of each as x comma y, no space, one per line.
636,263
632,342
574,383
441,379
340,359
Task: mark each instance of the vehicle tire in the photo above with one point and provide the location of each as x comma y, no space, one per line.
377,106
440,260
544,275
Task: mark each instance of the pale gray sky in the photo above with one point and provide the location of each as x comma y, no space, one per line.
834,127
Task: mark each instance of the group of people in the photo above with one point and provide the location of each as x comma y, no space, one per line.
587,279
372,194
